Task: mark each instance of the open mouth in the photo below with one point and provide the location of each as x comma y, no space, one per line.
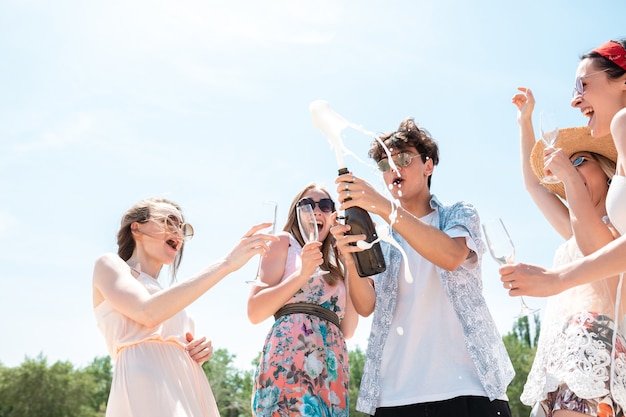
588,112
397,181
172,243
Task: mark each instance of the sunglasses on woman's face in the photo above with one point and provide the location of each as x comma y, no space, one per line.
174,225
579,88
325,204
401,160
580,160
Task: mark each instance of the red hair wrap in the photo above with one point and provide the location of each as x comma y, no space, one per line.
613,51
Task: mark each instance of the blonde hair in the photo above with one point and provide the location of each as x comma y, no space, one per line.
608,166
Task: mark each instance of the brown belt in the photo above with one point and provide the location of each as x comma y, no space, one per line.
308,308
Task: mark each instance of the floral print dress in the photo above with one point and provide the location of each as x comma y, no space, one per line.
303,369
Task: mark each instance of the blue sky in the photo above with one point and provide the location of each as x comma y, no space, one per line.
207,103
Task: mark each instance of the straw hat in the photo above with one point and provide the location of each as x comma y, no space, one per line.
572,140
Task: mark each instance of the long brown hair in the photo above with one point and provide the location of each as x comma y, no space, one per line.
141,212
329,251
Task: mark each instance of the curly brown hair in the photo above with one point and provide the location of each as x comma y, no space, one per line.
408,135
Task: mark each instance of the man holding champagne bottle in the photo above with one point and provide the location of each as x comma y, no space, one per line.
434,348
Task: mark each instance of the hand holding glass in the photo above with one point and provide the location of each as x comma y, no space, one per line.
549,135
257,279
502,250
308,229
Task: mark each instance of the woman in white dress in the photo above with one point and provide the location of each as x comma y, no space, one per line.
600,94
148,334
570,372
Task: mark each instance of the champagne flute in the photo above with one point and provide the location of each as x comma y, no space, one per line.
549,135
257,279
308,229
503,251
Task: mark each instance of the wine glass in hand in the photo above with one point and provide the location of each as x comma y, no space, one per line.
549,134
502,250
308,228
257,279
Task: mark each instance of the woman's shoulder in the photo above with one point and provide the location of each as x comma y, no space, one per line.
107,258
109,261
284,240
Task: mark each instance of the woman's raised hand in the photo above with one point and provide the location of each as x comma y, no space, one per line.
531,280
252,243
557,163
311,258
525,103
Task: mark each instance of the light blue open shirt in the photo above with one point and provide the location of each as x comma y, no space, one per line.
464,289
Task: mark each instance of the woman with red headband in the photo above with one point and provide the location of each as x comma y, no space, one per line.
600,94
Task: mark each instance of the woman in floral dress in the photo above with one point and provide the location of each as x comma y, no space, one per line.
303,369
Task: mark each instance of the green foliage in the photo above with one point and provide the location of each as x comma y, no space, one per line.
521,344
101,370
357,362
231,387
35,389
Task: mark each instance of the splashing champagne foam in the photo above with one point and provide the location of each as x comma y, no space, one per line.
331,125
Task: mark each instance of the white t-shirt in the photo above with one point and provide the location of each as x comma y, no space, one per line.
425,357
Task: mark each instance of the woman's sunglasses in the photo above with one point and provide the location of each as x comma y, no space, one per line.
401,160
173,225
579,88
580,160
325,204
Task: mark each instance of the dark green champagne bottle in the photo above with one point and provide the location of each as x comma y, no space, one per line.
370,261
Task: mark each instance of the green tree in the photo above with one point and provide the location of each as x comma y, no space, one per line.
521,344
35,389
357,361
101,372
231,387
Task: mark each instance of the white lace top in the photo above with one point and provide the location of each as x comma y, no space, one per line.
576,341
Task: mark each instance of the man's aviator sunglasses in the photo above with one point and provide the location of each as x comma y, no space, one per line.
402,159
325,204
